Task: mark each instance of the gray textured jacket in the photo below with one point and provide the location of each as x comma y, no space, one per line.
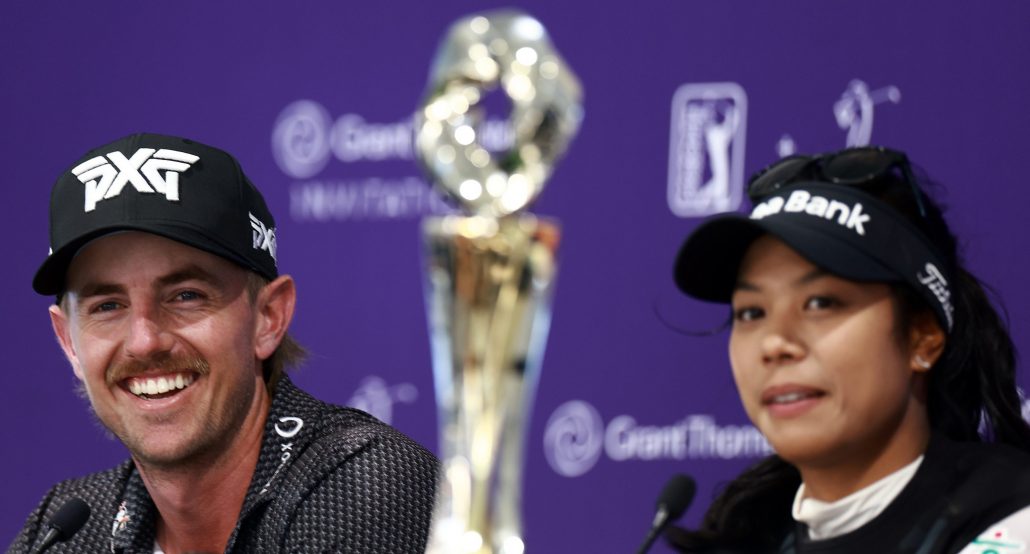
328,479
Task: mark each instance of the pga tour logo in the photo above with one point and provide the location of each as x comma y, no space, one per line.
147,170
706,151
305,138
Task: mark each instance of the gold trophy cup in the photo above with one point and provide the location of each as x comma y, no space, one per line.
490,272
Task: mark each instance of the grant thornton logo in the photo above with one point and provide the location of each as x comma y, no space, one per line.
352,168
573,439
300,139
576,437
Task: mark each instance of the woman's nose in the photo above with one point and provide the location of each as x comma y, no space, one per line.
779,346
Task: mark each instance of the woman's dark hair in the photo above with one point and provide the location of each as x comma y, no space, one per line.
972,392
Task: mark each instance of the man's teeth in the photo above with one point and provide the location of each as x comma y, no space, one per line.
151,386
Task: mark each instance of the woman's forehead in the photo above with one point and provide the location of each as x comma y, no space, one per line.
768,254
769,261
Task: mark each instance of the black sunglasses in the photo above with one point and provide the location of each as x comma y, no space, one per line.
852,167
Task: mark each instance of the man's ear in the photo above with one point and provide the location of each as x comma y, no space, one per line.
274,304
60,323
926,342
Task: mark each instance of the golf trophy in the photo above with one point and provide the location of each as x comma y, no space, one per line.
490,271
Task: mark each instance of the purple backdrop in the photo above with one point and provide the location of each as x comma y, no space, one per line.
946,84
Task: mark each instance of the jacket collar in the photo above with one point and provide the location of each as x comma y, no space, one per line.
290,426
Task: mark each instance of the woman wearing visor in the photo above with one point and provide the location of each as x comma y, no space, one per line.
872,361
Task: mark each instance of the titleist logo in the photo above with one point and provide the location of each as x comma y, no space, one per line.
801,201
934,280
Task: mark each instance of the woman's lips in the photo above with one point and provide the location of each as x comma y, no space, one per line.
791,400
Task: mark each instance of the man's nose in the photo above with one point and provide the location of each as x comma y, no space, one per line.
147,335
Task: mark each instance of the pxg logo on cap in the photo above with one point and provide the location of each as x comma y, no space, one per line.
264,237
142,170
168,186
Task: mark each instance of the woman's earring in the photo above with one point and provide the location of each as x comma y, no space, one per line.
922,363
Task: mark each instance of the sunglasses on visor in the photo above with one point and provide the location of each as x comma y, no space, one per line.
852,167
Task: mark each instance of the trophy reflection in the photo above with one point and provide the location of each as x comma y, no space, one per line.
490,272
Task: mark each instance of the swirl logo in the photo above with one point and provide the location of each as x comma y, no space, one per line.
300,140
573,438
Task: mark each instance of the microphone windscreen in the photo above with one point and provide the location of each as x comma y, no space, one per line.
70,518
677,495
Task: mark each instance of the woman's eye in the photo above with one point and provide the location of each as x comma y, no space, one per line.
747,314
820,303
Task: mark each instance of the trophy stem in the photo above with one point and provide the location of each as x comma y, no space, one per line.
489,288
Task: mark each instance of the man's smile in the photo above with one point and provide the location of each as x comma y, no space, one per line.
158,386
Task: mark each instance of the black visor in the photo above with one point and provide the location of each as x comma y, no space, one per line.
839,229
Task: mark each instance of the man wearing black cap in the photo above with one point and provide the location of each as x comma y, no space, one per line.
173,315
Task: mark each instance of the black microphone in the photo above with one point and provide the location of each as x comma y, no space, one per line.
70,517
674,500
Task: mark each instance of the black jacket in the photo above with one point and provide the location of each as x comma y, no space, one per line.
958,492
328,479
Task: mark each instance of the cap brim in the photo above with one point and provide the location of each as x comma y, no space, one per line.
50,278
709,260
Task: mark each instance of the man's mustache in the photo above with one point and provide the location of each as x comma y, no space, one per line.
162,364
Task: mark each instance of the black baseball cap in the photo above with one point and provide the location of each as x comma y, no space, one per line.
839,229
173,187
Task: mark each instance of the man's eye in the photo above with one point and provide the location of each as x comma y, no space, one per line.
106,306
187,295
747,314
